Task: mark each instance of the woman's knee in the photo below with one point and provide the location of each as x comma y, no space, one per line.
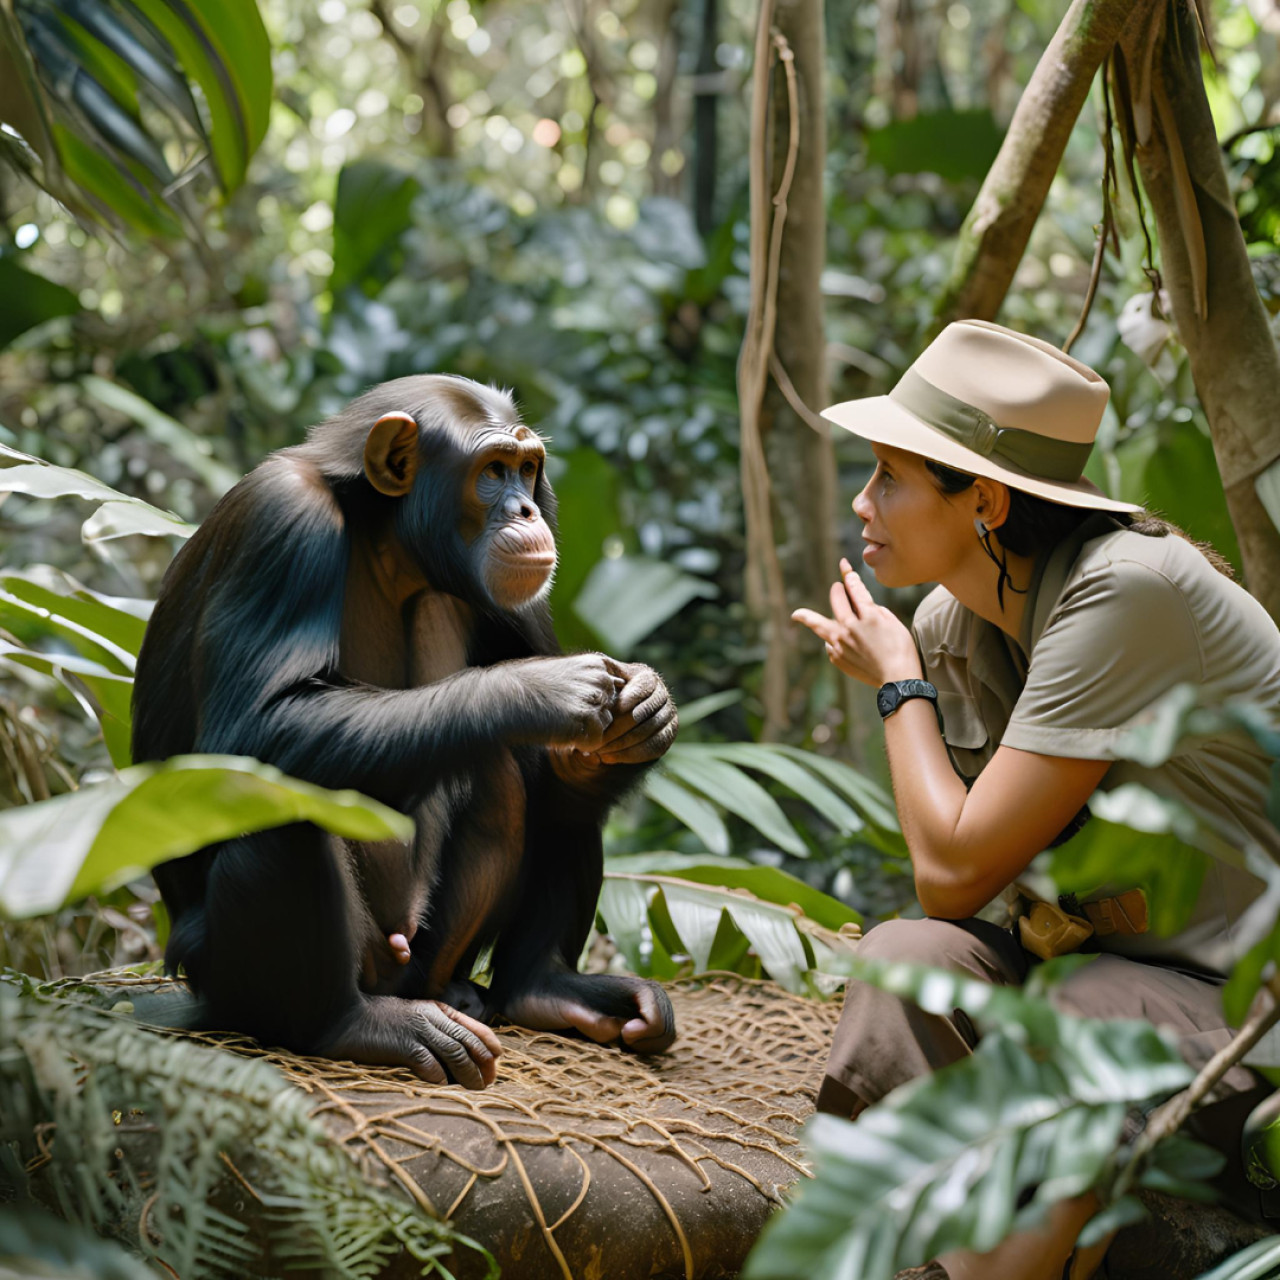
965,946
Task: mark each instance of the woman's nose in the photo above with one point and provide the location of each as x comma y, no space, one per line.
862,507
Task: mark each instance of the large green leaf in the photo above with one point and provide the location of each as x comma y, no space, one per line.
222,45
109,693
697,814
715,924
1035,1115
117,620
953,144
29,300
1258,1261
91,841
737,792
771,884
764,758
371,211
182,444
629,597
126,519
79,73
871,800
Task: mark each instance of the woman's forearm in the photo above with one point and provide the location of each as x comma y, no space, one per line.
931,799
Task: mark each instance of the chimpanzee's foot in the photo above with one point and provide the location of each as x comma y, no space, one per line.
606,1008
436,1042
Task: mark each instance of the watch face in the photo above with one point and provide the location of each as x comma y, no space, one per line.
887,699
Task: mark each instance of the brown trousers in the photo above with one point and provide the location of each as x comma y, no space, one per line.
883,1041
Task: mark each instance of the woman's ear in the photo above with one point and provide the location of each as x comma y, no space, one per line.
992,501
391,454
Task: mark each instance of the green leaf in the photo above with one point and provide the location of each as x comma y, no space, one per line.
372,209
1257,1261
737,792
184,445
624,908
764,758
1137,838
124,519
93,840
696,921
109,692
1181,480
110,189
629,597
29,611
871,800
700,708
222,45
953,144
29,300
1038,1111
700,817
118,620
770,884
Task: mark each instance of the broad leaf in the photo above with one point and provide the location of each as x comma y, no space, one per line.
102,692
371,210
91,841
696,813
119,620
737,792
1258,1261
125,519
1036,1114
29,300
182,444
764,758
627,598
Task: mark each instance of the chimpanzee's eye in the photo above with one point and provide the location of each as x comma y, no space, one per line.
529,470
496,470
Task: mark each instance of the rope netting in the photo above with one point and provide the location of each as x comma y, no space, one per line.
586,1162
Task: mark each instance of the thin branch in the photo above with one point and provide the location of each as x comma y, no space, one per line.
1168,1118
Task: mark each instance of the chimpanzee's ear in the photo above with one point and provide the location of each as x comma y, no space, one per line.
391,454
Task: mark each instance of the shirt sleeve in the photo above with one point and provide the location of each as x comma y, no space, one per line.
1119,638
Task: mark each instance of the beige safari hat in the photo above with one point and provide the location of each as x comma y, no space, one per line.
991,402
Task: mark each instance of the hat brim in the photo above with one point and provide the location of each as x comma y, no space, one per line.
882,420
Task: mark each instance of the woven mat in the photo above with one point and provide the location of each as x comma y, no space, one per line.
585,1162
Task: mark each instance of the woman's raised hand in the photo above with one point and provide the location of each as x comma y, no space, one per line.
863,639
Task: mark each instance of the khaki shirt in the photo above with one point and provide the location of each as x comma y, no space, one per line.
1113,620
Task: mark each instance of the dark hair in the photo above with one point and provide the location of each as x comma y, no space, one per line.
1035,524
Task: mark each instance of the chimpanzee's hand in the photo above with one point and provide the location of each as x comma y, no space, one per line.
435,1041
575,697
645,722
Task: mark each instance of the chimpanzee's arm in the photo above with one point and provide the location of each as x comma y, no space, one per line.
266,574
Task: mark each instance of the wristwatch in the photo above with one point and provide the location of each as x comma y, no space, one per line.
892,695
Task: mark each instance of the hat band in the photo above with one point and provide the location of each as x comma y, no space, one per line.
967,425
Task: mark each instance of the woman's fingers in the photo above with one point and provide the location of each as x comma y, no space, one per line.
841,607
821,626
855,587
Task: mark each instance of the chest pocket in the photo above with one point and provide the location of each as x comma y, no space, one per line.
965,733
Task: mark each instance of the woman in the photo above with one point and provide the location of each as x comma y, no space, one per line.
1060,617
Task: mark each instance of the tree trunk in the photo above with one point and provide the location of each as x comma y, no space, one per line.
1216,308
995,232
706,98
788,465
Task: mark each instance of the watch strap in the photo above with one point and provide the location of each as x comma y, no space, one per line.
892,695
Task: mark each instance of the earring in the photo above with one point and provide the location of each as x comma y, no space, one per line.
980,528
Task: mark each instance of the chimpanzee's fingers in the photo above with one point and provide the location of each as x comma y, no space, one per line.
449,1035
657,699
655,1026
656,733
643,684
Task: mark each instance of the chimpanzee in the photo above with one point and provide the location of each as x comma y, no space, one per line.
368,609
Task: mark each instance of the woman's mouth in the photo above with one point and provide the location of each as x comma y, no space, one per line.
872,549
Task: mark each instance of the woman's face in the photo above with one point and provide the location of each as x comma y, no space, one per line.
911,532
